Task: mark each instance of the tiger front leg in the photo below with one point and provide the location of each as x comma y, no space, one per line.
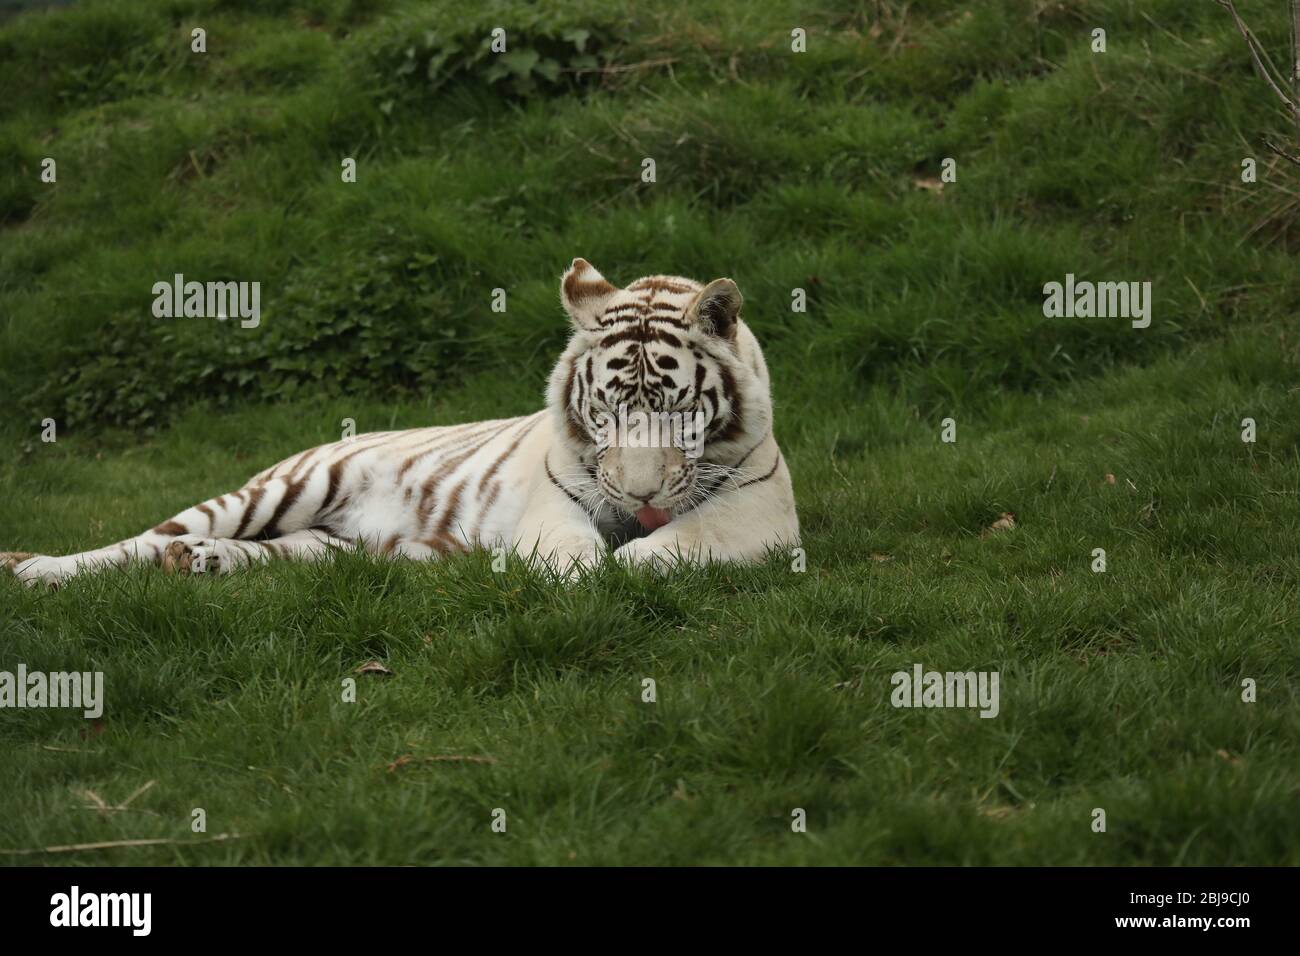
739,525
194,554
556,528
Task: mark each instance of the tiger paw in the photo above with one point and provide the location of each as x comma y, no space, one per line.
638,554
9,560
33,569
191,557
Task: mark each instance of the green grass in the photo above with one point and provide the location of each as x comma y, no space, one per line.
1120,690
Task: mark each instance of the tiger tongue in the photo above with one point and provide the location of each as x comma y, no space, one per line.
652,518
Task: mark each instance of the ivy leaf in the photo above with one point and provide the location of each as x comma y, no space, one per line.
519,62
548,70
578,37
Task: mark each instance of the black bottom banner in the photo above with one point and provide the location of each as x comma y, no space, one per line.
338,905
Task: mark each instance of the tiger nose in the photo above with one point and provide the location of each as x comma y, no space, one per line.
643,491
640,473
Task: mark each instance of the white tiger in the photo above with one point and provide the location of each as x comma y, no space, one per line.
550,484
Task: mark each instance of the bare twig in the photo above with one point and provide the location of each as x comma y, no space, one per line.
620,67
151,813
1279,151
1295,48
139,790
113,844
405,759
1263,63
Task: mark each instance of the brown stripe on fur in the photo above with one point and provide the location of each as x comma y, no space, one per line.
700,372
171,528
322,518
577,288
451,514
492,469
486,506
753,481
661,285
745,457
255,496
640,333
458,437
208,513
336,469
736,423
616,313
575,430
711,395
572,425
335,476
556,482
581,388
444,545
291,494
569,377
431,483
302,460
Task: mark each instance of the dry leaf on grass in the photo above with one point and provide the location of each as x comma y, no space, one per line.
405,759
1003,811
373,667
1110,479
1005,522
997,813
1231,758
931,184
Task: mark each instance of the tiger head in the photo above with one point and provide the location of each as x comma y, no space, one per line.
661,393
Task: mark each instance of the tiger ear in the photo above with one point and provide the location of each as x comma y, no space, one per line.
585,293
716,309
